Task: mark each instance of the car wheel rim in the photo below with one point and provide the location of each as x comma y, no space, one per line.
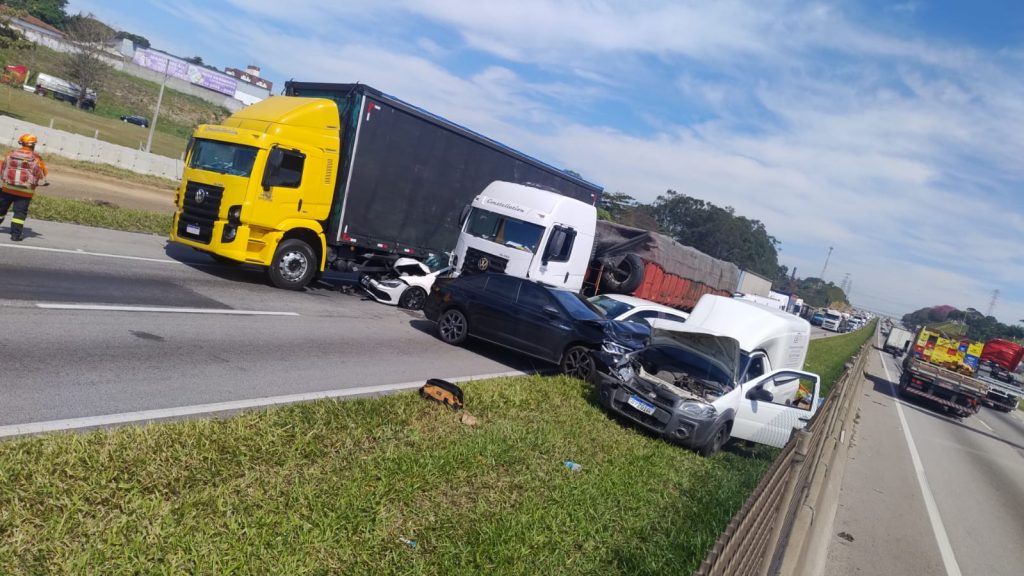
415,300
293,266
578,363
452,327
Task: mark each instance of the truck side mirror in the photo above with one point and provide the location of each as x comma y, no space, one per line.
274,160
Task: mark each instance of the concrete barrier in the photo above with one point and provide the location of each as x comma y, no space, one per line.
784,526
77,147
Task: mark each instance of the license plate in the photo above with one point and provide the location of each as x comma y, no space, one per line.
641,405
192,229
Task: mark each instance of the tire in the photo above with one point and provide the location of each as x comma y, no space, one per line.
413,298
715,443
577,362
624,278
453,327
294,265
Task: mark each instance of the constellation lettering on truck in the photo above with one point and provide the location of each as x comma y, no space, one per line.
507,205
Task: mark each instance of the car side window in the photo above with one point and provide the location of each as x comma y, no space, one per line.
755,368
533,297
503,287
791,389
643,317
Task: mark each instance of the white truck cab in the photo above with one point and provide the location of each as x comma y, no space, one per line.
833,321
733,370
527,232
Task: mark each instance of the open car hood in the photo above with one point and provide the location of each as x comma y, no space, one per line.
722,351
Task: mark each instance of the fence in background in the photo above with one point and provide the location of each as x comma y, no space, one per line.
78,147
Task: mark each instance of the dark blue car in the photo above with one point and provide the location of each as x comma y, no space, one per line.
549,324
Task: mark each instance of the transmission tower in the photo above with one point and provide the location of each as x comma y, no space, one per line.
992,303
845,285
825,267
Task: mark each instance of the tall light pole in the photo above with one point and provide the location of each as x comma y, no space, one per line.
156,112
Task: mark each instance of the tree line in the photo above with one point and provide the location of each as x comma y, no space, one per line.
721,233
969,323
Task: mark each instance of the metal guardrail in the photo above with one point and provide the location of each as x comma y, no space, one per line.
775,531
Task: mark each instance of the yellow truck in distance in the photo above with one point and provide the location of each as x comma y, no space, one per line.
347,178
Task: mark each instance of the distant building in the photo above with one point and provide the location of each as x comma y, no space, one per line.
251,88
39,32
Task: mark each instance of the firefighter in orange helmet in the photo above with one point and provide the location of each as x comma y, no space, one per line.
21,172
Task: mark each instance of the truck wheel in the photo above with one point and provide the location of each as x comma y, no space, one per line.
624,278
714,445
413,298
453,327
578,363
293,265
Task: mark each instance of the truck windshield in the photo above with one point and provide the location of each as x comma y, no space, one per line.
222,157
832,317
504,230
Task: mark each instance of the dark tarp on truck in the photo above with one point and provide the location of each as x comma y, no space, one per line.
406,174
666,271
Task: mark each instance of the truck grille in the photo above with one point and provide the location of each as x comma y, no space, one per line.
199,211
474,259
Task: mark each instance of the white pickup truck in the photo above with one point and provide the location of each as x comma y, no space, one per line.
733,370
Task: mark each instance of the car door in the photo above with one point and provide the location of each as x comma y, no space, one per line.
772,406
491,315
543,327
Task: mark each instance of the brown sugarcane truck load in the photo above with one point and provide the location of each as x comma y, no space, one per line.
942,371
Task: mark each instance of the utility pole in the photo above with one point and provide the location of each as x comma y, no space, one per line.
825,267
156,112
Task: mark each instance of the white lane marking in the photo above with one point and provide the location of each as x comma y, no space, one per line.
177,412
80,252
982,422
105,308
942,539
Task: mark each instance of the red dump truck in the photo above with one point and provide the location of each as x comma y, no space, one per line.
999,362
654,267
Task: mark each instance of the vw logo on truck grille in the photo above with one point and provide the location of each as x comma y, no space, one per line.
482,264
201,196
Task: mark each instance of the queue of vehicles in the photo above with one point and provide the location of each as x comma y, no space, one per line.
344,177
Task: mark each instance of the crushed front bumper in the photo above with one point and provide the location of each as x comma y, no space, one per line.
664,420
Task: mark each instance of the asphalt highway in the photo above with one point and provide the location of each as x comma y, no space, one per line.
928,494
77,337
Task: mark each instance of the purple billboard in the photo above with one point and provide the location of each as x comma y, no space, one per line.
176,68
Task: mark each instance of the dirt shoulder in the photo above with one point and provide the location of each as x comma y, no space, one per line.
71,183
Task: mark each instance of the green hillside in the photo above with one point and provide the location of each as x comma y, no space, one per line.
119,94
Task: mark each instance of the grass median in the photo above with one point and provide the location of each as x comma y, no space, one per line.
333,487
98,214
828,356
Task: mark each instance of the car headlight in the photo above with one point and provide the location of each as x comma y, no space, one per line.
613,348
698,410
392,283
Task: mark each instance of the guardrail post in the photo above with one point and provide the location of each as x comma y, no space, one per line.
803,442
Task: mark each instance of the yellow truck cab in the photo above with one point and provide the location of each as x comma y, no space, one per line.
340,175
256,188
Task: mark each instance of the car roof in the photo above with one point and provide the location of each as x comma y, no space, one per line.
637,302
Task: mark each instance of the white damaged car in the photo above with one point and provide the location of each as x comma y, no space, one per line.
407,286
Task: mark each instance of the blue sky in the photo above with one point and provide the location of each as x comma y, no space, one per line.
891,131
